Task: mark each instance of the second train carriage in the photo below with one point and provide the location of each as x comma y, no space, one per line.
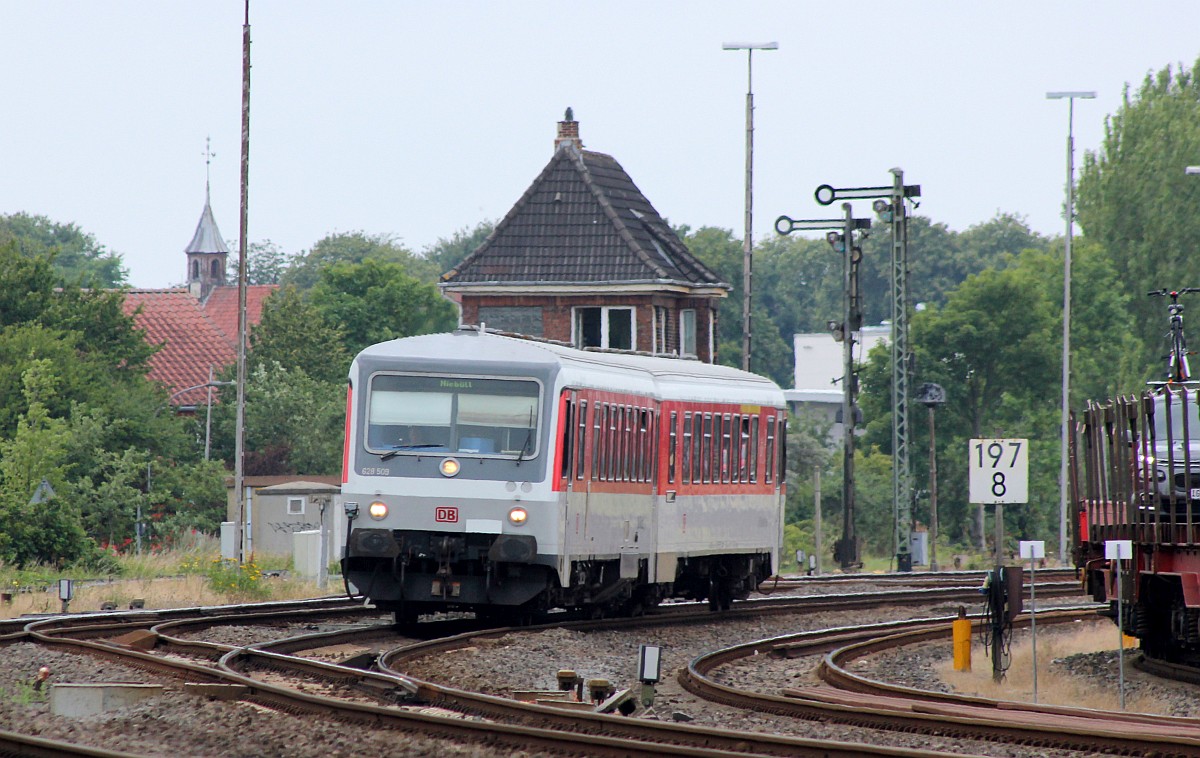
504,475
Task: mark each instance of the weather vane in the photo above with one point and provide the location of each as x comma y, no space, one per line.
208,156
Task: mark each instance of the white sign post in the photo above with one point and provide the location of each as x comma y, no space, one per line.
999,474
1033,550
1119,550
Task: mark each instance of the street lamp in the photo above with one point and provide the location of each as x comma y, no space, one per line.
931,396
208,419
1070,97
747,241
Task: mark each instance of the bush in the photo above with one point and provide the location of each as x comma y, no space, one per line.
243,582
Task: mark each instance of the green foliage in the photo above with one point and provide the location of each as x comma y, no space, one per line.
376,301
1136,203
266,263
77,257
448,253
296,334
770,355
240,581
356,248
294,423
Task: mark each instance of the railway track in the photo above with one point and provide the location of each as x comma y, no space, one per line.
379,698
858,701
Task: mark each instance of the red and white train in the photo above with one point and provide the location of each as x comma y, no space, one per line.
508,476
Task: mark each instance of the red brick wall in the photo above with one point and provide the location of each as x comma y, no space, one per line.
556,314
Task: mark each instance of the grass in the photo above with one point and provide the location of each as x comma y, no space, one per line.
187,575
1054,686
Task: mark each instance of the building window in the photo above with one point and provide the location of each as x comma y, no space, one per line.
216,269
604,327
661,327
295,506
519,319
687,332
195,270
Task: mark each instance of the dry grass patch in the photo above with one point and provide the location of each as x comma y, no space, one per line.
1054,684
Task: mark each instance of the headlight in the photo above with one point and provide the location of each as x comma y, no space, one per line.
378,510
449,467
518,516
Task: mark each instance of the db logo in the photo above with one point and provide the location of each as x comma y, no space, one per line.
446,515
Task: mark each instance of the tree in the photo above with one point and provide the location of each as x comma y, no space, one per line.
375,301
355,248
770,355
266,263
994,347
448,253
1135,202
295,334
294,423
48,531
77,257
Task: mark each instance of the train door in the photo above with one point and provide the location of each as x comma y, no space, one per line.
638,458
576,479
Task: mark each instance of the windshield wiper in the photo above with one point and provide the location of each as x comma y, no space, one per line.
393,453
528,439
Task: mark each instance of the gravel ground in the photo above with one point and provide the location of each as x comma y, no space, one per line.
498,667
176,724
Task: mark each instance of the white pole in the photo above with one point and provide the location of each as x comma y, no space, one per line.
1120,638
1033,616
1066,350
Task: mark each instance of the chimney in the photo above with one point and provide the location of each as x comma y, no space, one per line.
568,132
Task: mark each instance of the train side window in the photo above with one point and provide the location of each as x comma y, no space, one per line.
697,445
652,445
769,469
735,449
672,446
687,449
627,444
581,440
598,441
706,451
782,449
637,446
568,448
753,449
727,449
649,442
614,444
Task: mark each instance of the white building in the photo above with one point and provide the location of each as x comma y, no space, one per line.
818,373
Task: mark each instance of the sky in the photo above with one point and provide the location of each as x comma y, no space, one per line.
419,119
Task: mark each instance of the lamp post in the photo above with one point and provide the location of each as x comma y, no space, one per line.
931,396
748,239
208,419
1070,97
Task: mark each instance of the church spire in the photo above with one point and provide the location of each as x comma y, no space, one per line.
207,253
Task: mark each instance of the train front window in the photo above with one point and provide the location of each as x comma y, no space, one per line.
1176,413
419,415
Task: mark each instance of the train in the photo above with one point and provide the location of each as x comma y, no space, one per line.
508,476
1135,481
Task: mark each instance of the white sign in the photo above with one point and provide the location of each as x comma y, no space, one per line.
999,471
1032,549
1118,549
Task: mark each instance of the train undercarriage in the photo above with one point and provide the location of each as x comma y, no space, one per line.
501,577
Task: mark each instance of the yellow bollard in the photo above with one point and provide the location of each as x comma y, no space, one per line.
961,633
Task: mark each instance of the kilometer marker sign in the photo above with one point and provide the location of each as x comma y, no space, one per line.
999,471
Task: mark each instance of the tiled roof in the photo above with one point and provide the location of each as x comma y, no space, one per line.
193,335
582,221
191,341
222,304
